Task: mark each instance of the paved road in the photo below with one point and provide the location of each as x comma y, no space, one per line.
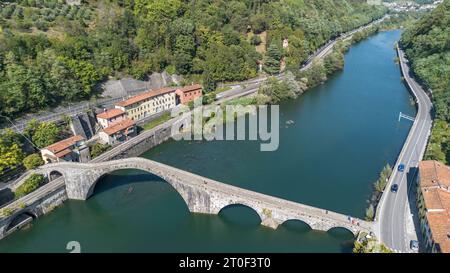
392,212
57,114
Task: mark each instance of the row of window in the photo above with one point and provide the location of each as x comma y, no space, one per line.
147,106
157,109
192,93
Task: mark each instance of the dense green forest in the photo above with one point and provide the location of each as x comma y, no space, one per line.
427,45
52,53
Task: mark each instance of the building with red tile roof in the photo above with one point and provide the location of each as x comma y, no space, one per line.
433,200
70,149
148,103
118,132
189,93
110,116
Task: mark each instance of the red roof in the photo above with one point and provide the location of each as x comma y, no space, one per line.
111,113
190,88
64,144
434,173
118,126
435,187
63,153
145,95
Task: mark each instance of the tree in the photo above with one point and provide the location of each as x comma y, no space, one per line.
30,128
369,244
32,161
379,185
333,62
255,40
370,213
14,87
315,75
273,58
209,84
46,134
11,153
277,90
84,73
426,44
157,11
259,23
183,62
10,157
98,148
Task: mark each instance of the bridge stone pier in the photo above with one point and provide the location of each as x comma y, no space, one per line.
203,195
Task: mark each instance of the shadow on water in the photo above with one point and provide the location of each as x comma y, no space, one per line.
117,179
240,215
344,236
295,226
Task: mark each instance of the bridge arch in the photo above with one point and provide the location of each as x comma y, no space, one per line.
16,219
341,228
107,172
242,204
296,222
54,174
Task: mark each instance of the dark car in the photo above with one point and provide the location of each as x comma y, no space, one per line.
401,167
394,188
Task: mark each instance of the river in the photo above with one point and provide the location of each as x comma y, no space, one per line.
344,132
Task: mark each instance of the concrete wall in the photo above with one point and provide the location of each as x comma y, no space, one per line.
143,143
38,208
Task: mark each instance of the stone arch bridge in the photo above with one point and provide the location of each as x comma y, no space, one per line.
203,195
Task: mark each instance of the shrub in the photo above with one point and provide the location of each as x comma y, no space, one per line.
8,11
22,205
98,148
6,212
41,25
31,184
276,90
256,40
24,25
32,161
370,213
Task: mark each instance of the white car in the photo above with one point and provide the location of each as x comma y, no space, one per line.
414,245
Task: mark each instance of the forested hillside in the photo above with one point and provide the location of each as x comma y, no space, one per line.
51,52
427,45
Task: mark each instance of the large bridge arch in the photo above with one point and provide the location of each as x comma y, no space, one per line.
94,183
81,179
296,221
242,204
344,228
